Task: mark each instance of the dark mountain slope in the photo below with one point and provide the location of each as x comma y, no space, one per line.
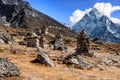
19,13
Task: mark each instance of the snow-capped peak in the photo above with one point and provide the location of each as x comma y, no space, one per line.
94,12
98,24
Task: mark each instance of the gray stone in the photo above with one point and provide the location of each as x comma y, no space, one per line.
115,60
59,43
74,61
1,78
83,63
78,62
44,59
7,68
22,43
2,41
8,39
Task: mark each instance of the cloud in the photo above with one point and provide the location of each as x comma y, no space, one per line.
104,8
77,15
116,20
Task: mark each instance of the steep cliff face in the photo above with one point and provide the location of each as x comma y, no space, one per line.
99,25
19,13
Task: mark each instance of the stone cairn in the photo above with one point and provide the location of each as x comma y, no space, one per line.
35,39
76,59
41,32
58,42
42,57
32,40
83,44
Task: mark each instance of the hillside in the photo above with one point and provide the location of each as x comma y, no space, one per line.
19,13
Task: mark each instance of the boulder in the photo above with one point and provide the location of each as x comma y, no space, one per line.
8,69
1,78
44,59
83,63
8,39
78,62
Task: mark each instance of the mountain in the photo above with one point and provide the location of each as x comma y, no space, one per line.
19,13
98,25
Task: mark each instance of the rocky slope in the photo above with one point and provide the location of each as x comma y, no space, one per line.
19,13
107,65
99,25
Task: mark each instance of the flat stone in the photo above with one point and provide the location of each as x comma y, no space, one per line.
83,63
44,59
78,62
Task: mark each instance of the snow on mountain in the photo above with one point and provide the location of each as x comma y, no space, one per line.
10,2
97,24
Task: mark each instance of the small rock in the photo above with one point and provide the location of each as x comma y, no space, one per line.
73,61
118,53
15,51
115,60
22,43
100,67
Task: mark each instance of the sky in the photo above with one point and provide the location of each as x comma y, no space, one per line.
71,11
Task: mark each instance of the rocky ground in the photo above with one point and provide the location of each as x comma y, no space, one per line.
18,62
106,63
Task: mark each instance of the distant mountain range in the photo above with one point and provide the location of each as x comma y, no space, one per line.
97,24
19,13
